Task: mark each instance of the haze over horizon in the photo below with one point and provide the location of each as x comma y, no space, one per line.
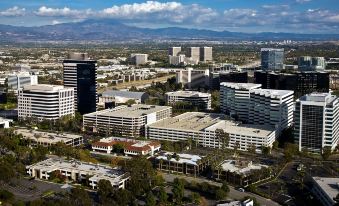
298,16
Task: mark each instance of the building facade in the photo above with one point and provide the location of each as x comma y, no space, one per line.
206,54
307,63
174,51
139,59
325,189
197,99
317,122
125,120
235,99
271,107
272,59
43,101
193,78
80,74
18,81
194,53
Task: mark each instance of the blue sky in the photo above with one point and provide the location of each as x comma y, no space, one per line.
300,16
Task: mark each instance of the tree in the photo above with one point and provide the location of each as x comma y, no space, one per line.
5,195
223,138
252,148
105,190
150,199
265,150
225,187
220,194
162,195
79,197
178,190
326,152
289,151
6,172
122,197
118,148
195,198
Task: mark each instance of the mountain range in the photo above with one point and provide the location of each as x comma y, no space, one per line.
111,30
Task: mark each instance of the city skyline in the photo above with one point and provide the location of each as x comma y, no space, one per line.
299,16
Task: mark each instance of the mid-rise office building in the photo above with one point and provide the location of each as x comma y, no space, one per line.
125,120
177,60
197,99
174,51
307,63
202,128
139,59
193,78
235,99
43,101
80,74
206,54
301,83
325,189
232,76
272,59
77,171
271,107
317,122
18,81
194,53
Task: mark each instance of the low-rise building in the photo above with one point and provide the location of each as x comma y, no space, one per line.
326,189
48,138
181,163
5,123
202,128
241,172
131,146
73,170
116,97
18,81
197,99
128,121
139,59
43,101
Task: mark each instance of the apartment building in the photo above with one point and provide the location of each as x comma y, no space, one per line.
44,101
125,120
78,171
202,127
317,122
235,99
197,99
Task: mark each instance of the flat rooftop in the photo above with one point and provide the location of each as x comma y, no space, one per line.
240,86
240,166
47,137
243,129
188,94
193,121
43,87
133,111
182,158
272,92
97,170
318,97
127,94
330,185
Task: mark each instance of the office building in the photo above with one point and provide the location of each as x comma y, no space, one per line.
231,76
206,54
125,120
44,101
48,139
139,59
174,51
194,53
80,74
5,123
193,78
272,59
235,99
80,172
301,83
131,147
112,98
196,99
18,81
179,60
317,122
325,189
202,127
307,63
271,107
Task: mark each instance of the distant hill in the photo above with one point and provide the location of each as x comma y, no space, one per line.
111,30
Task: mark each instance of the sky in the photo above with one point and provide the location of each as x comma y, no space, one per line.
297,16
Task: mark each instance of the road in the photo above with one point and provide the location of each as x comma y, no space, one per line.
233,194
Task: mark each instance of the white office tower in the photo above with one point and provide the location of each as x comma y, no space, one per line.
139,59
271,107
177,60
174,51
196,99
307,63
317,122
235,99
193,78
18,81
206,54
194,53
43,101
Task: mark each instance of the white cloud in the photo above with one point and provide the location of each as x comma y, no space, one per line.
14,11
63,12
302,1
